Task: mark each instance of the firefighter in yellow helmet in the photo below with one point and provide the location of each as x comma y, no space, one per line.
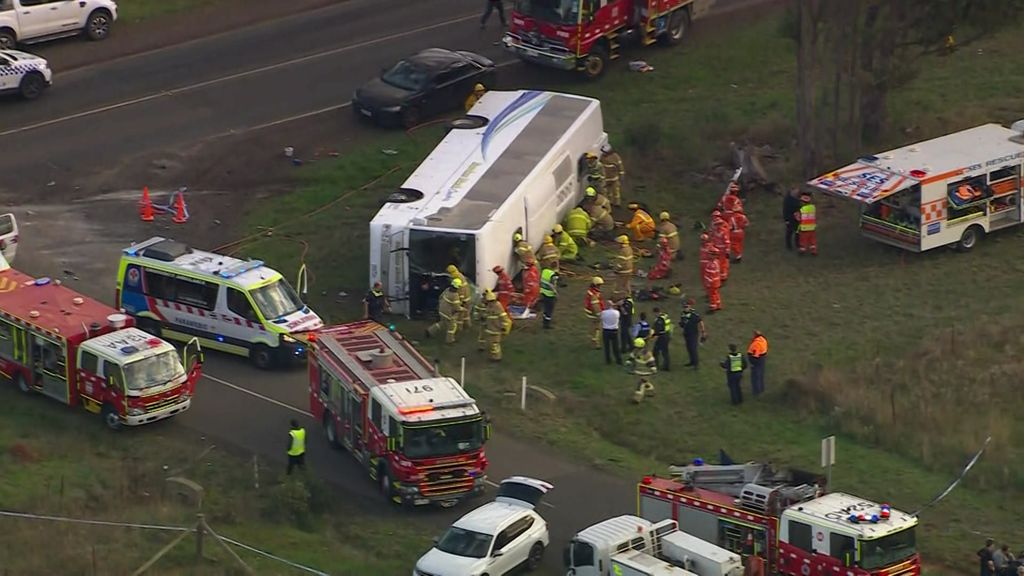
600,215
593,305
524,252
448,309
465,295
614,172
669,231
567,249
498,325
578,224
623,265
595,172
480,317
478,92
548,254
641,359
642,224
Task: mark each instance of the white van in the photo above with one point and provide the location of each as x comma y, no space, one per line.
236,306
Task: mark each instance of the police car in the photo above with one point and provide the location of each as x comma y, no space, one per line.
24,74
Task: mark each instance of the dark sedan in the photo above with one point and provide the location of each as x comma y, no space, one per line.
428,83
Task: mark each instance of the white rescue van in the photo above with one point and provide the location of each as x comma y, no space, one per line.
516,164
949,191
238,306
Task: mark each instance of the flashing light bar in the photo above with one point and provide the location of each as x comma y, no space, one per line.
134,249
240,268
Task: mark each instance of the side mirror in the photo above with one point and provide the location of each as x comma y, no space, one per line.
497,554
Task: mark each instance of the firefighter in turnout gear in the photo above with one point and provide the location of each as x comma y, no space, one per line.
644,389
548,293
807,226
738,223
480,317
614,172
600,215
548,254
449,309
578,225
720,237
593,305
504,288
642,224
498,325
567,249
641,359
623,264
669,231
595,173
712,279
465,296
523,250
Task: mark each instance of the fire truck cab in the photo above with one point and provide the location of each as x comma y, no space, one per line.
419,435
78,351
785,519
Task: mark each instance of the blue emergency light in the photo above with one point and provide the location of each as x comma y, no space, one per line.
240,268
129,350
42,281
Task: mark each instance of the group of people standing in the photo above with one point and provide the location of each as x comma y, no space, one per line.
999,561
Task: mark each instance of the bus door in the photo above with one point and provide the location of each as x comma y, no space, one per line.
49,368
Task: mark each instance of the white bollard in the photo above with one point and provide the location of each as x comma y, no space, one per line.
522,402
462,373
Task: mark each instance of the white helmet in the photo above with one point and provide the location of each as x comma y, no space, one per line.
606,148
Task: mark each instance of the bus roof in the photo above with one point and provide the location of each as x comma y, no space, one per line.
472,172
51,306
172,254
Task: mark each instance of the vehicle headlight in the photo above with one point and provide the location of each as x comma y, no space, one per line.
391,109
136,411
288,339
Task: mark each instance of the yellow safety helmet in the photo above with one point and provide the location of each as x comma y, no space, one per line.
548,239
452,269
456,283
597,281
591,191
633,206
490,296
479,89
674,290
591,156
517,237
639,343
558,229
664,216
623,239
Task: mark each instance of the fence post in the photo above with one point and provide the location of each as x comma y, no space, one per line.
462,373
200,531
522,401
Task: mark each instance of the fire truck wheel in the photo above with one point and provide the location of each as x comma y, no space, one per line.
678,25
535,557
22,385
595,63
330,430
110,417
969,239
262,357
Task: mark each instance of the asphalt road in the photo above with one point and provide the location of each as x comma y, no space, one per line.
95,117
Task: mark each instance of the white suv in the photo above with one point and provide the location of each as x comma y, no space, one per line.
496,538
28,21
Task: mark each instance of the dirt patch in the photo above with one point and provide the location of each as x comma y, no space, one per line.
131,38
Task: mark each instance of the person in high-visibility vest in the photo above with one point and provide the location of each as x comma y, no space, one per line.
498,325
448,310
757,353
662,338
568,251
548,294
668,230
593,305
465,296
296,447
623,265
807,226
734,365
614,171
578,224
548,254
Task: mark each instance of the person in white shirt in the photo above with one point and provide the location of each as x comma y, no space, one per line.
610,333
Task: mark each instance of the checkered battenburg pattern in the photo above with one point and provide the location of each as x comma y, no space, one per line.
17,70
933,211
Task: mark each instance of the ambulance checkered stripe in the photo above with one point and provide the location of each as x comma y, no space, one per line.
18,69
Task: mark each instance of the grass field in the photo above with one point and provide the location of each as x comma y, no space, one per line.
53,462
909,358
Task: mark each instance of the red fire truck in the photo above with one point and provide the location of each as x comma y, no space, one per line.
585,35
785,518
418,434
78,351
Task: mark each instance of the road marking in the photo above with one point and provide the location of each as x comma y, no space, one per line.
235,76
258,395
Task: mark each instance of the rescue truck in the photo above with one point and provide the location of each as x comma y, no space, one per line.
516,164
584,35
418,434
785,518
237,306
949,191
80,352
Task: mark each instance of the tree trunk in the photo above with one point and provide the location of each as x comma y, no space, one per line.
806,85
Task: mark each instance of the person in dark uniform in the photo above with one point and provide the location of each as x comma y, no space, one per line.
375,304
490,6
662,336
693,333
626,310
790,206
734,365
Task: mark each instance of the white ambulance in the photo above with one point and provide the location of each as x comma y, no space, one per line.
236,306
949,191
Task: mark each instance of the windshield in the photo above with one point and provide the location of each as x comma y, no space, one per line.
407,76
432,252
276,299
153,371
888,550
553,11
442,440
582,554
461,542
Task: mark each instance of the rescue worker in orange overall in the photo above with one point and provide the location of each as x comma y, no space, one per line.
705,252
504,288
548,254
531,285
623,265
720,237
642,224
593,305
669,231
731,200
807,229
663,267
738,223
712,279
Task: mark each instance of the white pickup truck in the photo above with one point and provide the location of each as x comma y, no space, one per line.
30,21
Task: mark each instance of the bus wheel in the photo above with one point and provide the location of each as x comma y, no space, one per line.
262,357
110,417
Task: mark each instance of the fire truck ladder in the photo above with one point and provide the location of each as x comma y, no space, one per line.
410,368
755,486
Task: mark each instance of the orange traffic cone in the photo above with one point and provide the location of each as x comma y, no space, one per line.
145,206
179,210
